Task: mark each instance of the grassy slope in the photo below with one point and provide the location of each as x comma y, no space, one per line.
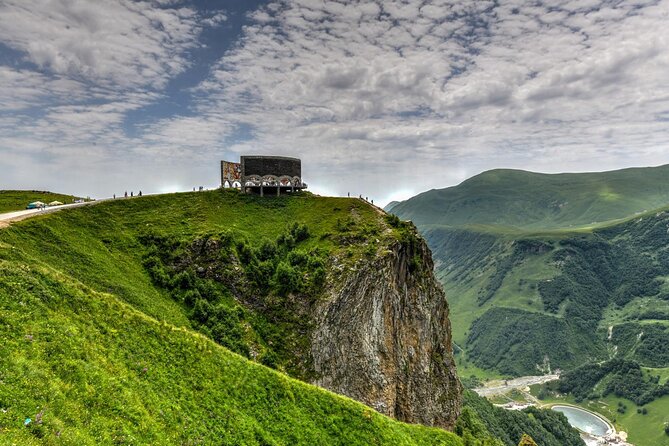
98,245
463,296
465,269
519,287
16,200
535,201
106,358
100,372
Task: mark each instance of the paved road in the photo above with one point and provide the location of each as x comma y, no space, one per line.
9,217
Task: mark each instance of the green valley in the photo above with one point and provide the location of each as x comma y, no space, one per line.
547,272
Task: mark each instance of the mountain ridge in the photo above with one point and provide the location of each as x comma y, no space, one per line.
530,200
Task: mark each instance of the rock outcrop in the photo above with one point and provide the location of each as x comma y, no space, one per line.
382,336
376,331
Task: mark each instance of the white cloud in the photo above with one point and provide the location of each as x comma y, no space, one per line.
415,93
20,89
115,43
440,82
215,19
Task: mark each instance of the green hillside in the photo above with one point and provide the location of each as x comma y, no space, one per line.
16,200
221,263
89,369
547,272
109,317
523,303
94,353
528,200
530,303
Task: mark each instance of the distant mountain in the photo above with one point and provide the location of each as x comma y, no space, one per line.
528,200
530,278
391,205
582,301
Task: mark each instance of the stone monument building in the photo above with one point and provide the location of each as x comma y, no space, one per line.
274,175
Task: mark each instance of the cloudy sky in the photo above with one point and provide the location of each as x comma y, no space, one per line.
385,98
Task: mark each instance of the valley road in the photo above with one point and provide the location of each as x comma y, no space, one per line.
500,387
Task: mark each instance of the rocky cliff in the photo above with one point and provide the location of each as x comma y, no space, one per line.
383,337
356,310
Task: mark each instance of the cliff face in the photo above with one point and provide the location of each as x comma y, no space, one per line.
382,336
375,326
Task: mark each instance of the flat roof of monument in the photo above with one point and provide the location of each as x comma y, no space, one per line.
271,157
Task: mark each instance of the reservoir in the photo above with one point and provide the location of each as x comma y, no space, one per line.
584,420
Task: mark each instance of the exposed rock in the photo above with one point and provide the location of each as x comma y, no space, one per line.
383,337
378,333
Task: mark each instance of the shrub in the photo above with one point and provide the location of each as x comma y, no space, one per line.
245,253
159,276
183,280
318,279
286,279
267,250
201,310
299,232
190,297
393,220
297,258
286,241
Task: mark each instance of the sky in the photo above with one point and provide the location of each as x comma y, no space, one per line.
384,98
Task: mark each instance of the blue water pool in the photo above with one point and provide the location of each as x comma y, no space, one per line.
584,420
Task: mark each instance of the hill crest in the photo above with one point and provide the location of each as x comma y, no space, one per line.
531,200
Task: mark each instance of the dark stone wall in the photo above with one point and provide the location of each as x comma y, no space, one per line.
271,165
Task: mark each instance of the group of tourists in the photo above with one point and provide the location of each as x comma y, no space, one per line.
132,194
361,197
